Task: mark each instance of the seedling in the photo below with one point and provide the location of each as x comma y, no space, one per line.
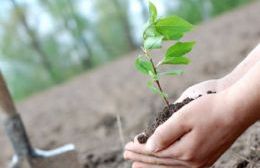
158,30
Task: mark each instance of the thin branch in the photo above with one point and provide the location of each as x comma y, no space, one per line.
155,71
158,84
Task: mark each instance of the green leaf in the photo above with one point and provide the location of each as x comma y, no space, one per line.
152,39
153,12
153,42
151,31
150,85
176,60
171,73
143,66
179,49
173,27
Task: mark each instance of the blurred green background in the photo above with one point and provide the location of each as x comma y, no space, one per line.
46,42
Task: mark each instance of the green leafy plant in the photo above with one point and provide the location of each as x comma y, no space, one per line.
158,30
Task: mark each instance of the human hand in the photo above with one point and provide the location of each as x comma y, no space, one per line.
189,140
228,80
201,89
225,116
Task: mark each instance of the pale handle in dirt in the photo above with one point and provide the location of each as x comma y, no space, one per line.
13,124
6,103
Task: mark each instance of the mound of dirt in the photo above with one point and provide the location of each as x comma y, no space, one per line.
160,118
82,111
163,116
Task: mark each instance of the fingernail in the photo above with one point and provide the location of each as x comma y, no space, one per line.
125,155
151,146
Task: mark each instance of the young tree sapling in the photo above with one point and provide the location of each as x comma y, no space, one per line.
158,30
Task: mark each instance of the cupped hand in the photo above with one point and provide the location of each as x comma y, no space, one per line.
202,88
196,136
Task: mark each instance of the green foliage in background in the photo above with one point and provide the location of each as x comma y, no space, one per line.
220,6
32,61
196,11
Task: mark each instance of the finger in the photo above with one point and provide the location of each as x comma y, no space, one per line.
167,133
188,149
255,51
173,151
198,90
151,159
184,149
137,148
145,165
184,95
192,92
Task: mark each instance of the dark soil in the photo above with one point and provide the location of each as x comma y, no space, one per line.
243,164
160,118
252,159
163,116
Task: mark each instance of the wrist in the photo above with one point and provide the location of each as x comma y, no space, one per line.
242,109
252,59
243,97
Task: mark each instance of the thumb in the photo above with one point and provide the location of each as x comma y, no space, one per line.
167,133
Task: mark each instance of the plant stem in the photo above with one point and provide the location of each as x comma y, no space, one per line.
158,84
156,81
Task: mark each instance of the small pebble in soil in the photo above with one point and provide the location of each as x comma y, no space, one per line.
242,164
211,92
142,138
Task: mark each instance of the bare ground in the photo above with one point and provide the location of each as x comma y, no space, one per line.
82,111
